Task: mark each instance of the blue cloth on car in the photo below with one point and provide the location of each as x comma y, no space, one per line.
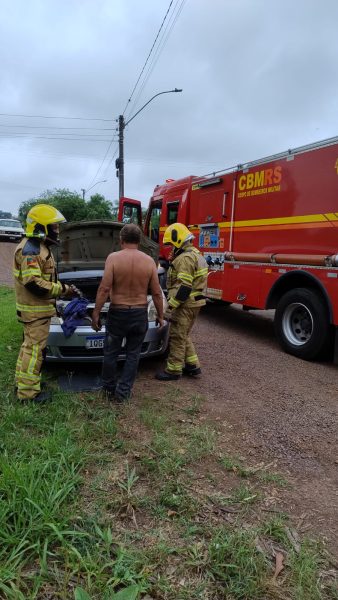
73,315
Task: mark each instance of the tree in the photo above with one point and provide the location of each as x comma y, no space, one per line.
71,205
5,215
99,208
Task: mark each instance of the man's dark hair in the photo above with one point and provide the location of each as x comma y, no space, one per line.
131,234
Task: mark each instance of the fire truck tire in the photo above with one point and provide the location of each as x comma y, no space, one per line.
302,323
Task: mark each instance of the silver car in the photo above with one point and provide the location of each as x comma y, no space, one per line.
11,229
80,258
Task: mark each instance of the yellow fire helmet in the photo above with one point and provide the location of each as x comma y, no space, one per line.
177,234
38,219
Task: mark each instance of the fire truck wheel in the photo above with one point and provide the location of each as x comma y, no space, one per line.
302,323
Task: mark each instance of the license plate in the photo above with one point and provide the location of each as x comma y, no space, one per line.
93,343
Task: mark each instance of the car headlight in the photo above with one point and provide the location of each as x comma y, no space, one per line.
152,314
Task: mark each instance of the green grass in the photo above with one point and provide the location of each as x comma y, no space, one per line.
97,504
236,466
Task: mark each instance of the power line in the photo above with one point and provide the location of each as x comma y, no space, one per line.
55,117
57,153
55,134
44,137
53,127
138,79
102,163
169,27
150,52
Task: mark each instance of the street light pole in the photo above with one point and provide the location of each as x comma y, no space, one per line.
119,163
84,191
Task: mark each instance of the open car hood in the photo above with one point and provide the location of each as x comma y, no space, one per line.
85,245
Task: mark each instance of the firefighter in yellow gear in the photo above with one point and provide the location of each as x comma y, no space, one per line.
36,288
186,283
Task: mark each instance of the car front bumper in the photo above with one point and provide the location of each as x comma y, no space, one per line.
11,237
73,349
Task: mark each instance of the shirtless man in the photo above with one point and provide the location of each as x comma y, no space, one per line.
127,276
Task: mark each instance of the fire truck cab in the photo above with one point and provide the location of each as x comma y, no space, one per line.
269,232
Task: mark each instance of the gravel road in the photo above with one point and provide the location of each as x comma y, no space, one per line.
6,259
275,407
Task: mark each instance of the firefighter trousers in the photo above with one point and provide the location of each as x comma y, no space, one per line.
29,363
181,348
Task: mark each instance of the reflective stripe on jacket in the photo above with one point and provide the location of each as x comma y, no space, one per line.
187,278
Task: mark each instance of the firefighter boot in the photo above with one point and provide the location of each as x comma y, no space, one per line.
41,398
192,370
166,376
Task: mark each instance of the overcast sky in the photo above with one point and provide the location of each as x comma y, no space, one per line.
258,77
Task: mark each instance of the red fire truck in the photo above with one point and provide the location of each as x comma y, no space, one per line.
269,232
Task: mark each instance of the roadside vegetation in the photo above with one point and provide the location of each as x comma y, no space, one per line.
73,206
139,502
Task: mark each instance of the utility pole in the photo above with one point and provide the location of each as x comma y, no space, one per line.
119,163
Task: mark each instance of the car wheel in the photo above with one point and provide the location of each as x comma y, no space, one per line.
302,323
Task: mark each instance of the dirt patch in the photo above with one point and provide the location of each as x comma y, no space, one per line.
270,407
7,250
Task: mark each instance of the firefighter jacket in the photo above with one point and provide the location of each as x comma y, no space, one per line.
36,283
187,278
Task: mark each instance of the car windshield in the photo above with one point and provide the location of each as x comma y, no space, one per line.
9,223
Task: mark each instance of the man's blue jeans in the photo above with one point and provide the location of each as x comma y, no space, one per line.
132,324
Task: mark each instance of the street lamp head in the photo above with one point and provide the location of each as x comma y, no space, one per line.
84,191
97,183
122,125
